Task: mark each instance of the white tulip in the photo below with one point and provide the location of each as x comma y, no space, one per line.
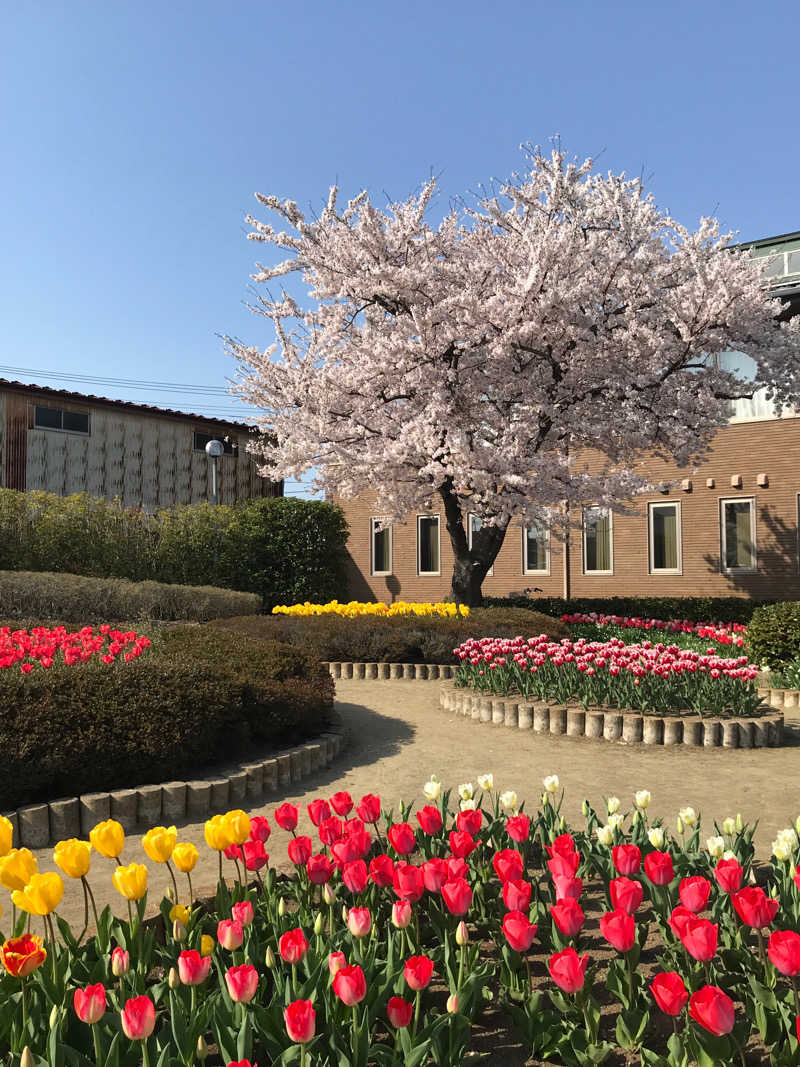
468,805
605,835
656,837
688,816
715,846
781,851
486,782
550,783
432,789
728,855
465,791
509,800
797,824
789,837
615,820
642,799
729,826
613,805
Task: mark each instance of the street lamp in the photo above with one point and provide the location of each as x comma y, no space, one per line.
214,450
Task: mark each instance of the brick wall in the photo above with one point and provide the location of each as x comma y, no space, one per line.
741,450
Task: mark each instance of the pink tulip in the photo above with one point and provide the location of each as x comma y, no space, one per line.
193,968
90,1003
242,982
138,1018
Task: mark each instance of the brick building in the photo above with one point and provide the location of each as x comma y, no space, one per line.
727,527
64,442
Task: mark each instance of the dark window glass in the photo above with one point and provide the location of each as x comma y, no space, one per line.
77,421
47,418
428,531
202,439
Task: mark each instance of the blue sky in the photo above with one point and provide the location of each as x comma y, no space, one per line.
133,137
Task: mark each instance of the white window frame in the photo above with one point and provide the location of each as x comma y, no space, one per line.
470,517
429,574
373,522
652,506
525,568
751,500
586,571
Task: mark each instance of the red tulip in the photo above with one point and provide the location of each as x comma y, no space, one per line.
286,816
417,972
407,881
508,865
260,828
565,886
354,876
243,912
343,851
293,945
456,868
626,893
784,952
435,874
300,849
241,1063
399,1012
729,874
429,819
564,845
658,868
233,852
330,830
242,982
469,821
401,914
319,869
350,985
90,1003
353,826
359,921
519,931
564,865
360,843
712,1009
255,856
754,907
230,934
401,838
517,895
694,892
318,811
342,803
619,929
381,869
568,970
568,916
679,918
669,992
301,1021
192,967
336,960
518,828
627,858
457,895
699,938
138,1018
462,844
370,808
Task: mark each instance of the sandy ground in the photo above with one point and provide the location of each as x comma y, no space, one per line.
398,736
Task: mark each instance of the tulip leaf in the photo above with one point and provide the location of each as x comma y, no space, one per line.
762,994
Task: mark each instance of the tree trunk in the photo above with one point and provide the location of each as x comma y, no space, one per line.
470,566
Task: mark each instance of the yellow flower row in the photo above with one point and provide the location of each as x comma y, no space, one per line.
356,608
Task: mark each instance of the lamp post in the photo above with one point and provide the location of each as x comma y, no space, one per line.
214,450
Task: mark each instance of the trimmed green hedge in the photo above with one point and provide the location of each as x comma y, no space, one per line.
694,608
197,697
27,595
396,639
285,550
773,634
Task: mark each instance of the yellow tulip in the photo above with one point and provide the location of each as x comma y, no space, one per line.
237,823
179,912
184,856
108,838
159,842
17,868
6,835
218,833
131,881
206,945
41,895
73,857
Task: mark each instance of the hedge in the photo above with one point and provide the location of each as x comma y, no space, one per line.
195,698
283,549
28,595
773,634
693,608
399,639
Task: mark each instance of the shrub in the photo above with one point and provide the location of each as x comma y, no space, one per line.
773,635
195,697
373,639
28,595
693,608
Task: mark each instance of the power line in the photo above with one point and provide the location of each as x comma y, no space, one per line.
139,383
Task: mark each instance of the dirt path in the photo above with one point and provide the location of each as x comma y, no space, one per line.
399,736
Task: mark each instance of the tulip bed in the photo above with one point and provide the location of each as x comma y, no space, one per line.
723,633
614,942
354,609
644,677
42,646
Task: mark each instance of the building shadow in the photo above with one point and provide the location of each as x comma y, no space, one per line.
777,557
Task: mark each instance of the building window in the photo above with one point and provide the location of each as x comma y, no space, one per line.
475,523
58,419
428,544
200,440
738,535
380,548
598,541
535,550
664,537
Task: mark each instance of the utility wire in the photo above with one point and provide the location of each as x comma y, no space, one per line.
96,379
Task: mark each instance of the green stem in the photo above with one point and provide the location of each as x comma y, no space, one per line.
145,1055
88,889
174,883
354,1044
98,1048
85,912
416,1014
24,989
191,891
796,997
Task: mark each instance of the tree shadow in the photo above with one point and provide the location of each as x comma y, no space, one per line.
777,556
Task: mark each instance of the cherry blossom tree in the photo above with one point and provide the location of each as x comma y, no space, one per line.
473,365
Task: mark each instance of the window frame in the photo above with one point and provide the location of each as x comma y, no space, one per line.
723,500
597,574
652,505
429,574
525,568
470,517
60,429
373,520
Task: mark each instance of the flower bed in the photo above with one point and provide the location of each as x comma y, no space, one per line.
356,608
723,633
618,938
42,647
645,677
